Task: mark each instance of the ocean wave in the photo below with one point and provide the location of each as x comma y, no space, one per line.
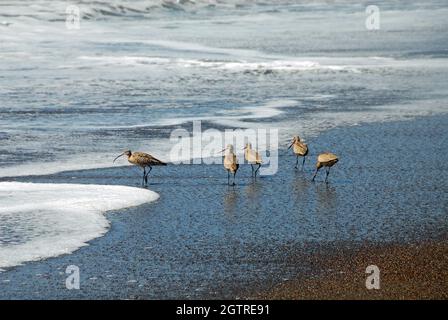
256,62
311,123
46,10
265,67
239,118
39,221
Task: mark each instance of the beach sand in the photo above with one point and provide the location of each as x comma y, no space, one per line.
417,271
279,237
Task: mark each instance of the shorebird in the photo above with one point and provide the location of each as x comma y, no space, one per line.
252,157
300,149
142,160
230,163
328,160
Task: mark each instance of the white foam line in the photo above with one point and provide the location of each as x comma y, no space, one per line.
230,66
268,110
309,125
189,46
47,220
264,64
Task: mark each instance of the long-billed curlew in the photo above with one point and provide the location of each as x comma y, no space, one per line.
230,163
300,149
326,159
142,160
252,157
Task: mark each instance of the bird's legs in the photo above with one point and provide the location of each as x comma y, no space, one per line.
144,176
252,167
228,177
259,166
303,163
147,174
326,176
315,173
297,162
234,178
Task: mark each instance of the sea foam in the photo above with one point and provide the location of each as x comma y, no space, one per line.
39,221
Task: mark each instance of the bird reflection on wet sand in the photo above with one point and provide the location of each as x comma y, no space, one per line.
230,200
326,200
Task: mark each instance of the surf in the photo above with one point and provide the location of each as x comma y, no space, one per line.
39,220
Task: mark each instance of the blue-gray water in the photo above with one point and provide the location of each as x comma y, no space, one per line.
204,239
135,70
70,98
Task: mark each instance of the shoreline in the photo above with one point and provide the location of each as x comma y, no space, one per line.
207,124
226,243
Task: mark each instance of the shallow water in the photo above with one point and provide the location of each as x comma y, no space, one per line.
70,99
203,238
57,219
136,70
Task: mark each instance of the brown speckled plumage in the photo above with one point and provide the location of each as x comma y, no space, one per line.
328,160
230,163
142,160
252,157
300,149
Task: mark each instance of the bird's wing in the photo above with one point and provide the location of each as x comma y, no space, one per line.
228,160
253,156
231,162
235,164
258,157
301,148
305,148
157,162
326,157
148,159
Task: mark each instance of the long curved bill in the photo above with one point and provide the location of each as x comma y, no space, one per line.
118,157
290,145
222,151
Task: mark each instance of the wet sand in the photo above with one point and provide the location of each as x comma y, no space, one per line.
417,271
281,236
